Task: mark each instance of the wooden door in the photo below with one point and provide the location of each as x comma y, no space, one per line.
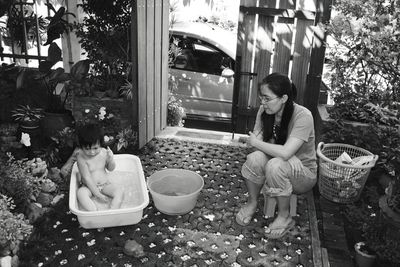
150,25
278,36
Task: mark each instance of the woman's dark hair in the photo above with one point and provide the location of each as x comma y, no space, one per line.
280,85
89,135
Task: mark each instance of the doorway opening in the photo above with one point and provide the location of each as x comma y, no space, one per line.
203,37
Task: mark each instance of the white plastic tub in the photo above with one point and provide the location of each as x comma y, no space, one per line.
108,218
175,191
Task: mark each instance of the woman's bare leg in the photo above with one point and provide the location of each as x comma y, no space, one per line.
254,191
283,217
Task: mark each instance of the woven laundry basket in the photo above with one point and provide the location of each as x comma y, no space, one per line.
341,182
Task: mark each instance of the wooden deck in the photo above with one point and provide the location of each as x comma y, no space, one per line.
335,250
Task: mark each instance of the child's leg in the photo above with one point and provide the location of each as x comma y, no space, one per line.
117,194
84,197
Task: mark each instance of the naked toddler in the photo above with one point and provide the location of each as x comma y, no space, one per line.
93,162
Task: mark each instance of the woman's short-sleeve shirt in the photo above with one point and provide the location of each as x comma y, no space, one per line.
301,126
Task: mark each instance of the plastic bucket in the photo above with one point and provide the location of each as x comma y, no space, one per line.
175,191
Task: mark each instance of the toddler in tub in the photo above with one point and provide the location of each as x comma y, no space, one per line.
93,160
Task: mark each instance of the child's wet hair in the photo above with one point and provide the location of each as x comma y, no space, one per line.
89,135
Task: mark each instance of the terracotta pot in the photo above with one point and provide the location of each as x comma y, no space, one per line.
363,259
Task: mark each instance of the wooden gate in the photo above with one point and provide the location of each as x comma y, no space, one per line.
150,25
278,36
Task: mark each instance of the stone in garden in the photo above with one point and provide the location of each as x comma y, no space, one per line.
38,171
15,261
4,251
48,186
133,248
15,247
44,199
5,261
57,198
34,212
39,168
55,175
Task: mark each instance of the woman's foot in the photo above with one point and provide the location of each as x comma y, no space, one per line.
279,227
245,214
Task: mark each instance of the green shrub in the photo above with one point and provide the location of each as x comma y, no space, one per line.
176,113
127,138
17,182
105,36
365,56
381,140
13,227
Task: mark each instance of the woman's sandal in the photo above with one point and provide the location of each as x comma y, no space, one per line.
277,233
244,216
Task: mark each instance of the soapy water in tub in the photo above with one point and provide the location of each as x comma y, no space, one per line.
133,196
173,186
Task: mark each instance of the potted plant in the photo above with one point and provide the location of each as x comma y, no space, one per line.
57,117
390,205
27,117
365,256
127,139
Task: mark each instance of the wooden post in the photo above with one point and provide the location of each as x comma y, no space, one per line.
150,67
135,78
314,77
70,44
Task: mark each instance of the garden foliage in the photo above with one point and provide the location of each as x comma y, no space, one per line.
365,82
14,228
366,56
366,78
17,182
105,34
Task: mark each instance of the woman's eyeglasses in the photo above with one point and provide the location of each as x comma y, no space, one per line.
266,99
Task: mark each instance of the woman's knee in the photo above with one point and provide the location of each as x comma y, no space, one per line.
253,168
276,166
277,174
256,156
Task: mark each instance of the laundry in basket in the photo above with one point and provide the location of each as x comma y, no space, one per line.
332,170
343,170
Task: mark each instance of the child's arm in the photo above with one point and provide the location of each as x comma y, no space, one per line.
87,179
67,167
110,163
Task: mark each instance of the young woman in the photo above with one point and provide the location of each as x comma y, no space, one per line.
284,160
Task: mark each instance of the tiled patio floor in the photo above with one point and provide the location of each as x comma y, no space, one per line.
207,236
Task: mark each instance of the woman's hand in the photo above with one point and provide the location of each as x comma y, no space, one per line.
252,139
296,165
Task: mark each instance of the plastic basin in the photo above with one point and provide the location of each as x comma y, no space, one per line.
175,191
